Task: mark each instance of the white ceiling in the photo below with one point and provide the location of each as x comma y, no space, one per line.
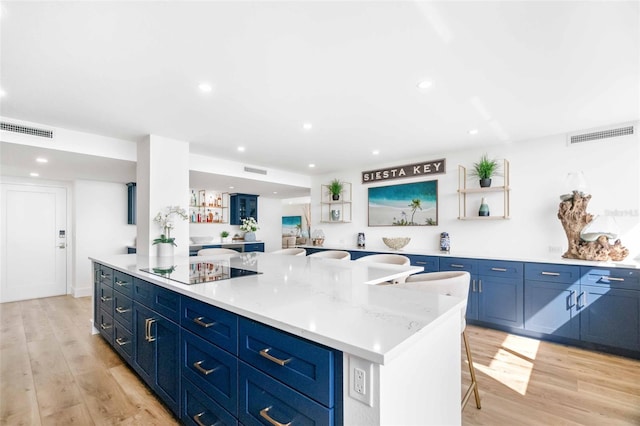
514,71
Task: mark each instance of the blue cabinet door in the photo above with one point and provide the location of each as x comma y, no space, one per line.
500,301
471,266
551,308
610,316
144,349
243,206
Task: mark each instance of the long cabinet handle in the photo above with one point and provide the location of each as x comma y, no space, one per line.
612,278
420,262
147,332
573,298
102,275
202,323
281,362
121,283
553,274
105,299
479,286
455,265
121,310
582,300
264,413
105,326
473,286
499,269
198,366
121,342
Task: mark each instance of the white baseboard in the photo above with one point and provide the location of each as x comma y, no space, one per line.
82,292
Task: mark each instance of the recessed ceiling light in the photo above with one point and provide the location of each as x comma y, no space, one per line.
473,131
275,192
231,187
312,165
42,160
241,148
205,87
424,84
375,152
307,126
32,174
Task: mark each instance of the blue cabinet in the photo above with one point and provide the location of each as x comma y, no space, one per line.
500,293
550,299
609,307
156,356
248,247
470,266
131,203
242,206
429,263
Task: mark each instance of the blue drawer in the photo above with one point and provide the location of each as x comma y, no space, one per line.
122,310
123,283
159,299
459,264
105,298
122,341
500,268
429,263
198,409
213,324
265,401
357,254
254,247
611,277
553,273
105,325
211,369
105,275
303,365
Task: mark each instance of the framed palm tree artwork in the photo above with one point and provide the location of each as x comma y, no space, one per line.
408,204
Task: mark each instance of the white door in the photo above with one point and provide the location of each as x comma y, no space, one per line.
34,240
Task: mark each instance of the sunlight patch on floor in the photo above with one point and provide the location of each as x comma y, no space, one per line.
512,364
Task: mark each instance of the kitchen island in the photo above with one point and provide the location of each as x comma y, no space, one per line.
397,352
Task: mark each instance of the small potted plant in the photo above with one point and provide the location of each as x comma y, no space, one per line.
223,236
335,189
484,170
166,242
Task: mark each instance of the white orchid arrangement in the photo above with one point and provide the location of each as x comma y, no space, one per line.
249,225
166,221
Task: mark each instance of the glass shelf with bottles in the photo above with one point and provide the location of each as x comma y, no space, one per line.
208,206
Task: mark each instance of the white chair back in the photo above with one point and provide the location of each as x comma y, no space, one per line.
212,251
291,252
393,259
332,254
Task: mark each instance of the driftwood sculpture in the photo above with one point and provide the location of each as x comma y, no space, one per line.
574,217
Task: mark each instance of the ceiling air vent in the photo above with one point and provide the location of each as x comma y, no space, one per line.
31,131
600,134
252,170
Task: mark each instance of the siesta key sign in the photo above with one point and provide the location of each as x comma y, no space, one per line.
410,170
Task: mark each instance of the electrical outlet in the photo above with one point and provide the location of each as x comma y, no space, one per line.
359,381
555,249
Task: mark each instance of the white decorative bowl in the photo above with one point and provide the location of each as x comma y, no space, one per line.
396,243
202,240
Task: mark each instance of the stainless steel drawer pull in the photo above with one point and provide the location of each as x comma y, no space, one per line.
202,323
198,366
121,283
147,332
105,326
553,274
102,275
122,310
499,269
120,341
612,278
479,286
105,299
455,265
264,414
196,419
265,353
419,262
473,286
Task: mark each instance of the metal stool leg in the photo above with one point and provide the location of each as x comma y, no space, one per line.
474,384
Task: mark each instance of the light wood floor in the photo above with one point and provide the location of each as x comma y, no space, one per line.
54,372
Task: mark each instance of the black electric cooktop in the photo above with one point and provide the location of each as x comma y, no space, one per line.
200,272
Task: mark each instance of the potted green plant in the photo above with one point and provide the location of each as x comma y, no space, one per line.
335,189
166,242
484,170
223,236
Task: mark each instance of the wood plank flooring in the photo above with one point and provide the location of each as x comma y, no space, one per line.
54,372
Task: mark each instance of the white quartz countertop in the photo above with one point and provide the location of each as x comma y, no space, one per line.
332,302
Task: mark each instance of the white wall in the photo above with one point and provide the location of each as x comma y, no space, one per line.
100,228
538,171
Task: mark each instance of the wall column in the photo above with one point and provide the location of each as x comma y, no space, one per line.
162,180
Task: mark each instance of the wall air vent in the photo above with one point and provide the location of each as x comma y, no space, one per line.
25,130
252,170
600,134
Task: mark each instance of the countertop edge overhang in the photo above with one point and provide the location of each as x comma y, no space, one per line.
326,301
